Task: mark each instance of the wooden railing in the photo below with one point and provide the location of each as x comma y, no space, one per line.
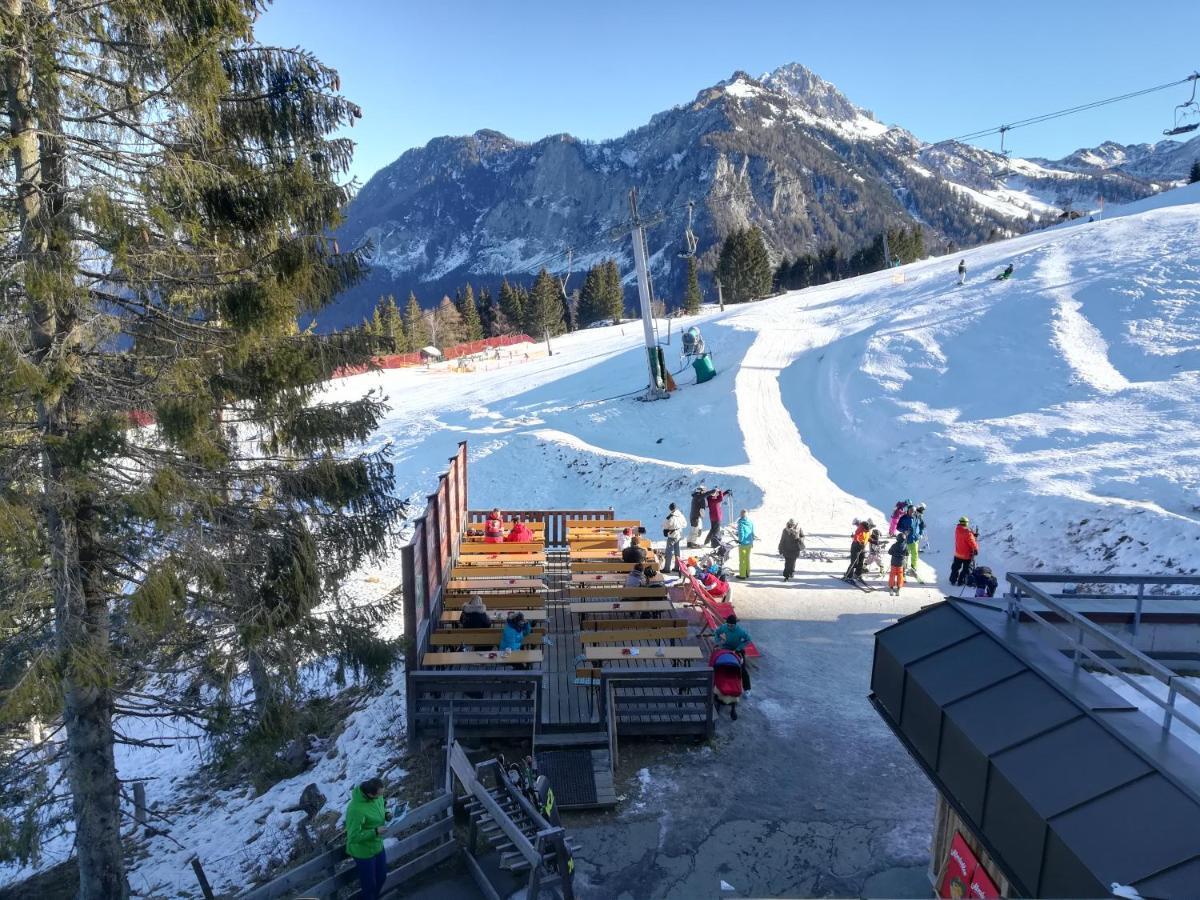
426,838
488,703
659,702
554,519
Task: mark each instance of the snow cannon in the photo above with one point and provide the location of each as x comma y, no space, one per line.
704,368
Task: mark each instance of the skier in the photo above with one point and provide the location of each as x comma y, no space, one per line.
919,512
516,629
714,498
898,553
696,518
474,614
858,550
493,528
911,525
896,514
634,552
1006,274
966,546
674,526
745,536
791,542
962,271
874,551
365,817
624,539
520,534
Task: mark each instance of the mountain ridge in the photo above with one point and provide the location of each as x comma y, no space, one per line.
786,151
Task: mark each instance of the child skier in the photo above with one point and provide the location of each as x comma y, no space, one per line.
898,552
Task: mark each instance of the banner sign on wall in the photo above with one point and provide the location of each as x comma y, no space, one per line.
963,875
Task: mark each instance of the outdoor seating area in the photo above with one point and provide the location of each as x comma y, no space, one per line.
586,640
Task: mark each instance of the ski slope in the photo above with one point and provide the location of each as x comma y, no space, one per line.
1058,410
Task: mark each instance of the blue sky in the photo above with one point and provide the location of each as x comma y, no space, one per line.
533,67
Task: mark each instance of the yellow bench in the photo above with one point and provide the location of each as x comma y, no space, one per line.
630,635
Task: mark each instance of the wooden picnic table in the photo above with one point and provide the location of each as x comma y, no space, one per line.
621,606
501,559
482,548
483,585
601,577
481,658
450,616
615,654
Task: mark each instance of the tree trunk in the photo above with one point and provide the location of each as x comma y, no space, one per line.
81,610
260,681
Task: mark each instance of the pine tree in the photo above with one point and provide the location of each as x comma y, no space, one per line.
472,326
591,297
511,305
1194,175
487,313
744,266
392,322
416,328
544,311
449,327
759,261
199,164
614,293
691,296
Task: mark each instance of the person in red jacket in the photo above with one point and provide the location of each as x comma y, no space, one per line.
493,528
966,546
714,498
520,534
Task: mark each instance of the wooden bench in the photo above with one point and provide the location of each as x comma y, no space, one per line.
644,654
632,635
474,571
457,585
601,523
620,607
479,548
603,566
480,637
529,600
502,559
592,544
616,593
618,624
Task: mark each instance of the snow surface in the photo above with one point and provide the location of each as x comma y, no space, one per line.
1058,410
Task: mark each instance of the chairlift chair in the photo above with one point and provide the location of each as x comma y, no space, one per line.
689,237
1187,114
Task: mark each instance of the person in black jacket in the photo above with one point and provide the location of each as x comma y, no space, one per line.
634,552
791,542
474,614
696,517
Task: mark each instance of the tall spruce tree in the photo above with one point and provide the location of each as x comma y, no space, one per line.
691,295
744,266
416,329
591,297
392,321
447,325
511,305
472,326
614,293
544,311
173,185
1194,174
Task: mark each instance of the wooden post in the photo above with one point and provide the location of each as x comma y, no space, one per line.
720,296
205,887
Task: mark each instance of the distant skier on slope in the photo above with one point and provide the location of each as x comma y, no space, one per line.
1006,274
962,271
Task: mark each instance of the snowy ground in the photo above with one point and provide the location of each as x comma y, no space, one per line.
1058,410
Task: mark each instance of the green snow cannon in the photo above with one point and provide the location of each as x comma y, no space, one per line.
704,368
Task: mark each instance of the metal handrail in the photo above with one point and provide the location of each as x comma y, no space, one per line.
1175,687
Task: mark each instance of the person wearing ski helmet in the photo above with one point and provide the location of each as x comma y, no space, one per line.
966,547
896,514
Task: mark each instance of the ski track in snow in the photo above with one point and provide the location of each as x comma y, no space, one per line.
1058,409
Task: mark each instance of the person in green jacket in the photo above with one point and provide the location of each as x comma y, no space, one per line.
365,818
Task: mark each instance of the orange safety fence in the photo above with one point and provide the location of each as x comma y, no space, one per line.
404,360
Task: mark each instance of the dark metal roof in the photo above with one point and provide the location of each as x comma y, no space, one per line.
1066,797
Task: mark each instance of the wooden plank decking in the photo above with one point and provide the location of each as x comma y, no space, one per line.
565,703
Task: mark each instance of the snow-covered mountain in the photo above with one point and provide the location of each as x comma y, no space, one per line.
786,151
1165,160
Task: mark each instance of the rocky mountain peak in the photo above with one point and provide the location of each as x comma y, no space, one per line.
813,92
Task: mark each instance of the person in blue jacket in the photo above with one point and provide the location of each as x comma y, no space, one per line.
745,537
912,525
733,636
516,629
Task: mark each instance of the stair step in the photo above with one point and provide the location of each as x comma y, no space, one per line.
558,740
